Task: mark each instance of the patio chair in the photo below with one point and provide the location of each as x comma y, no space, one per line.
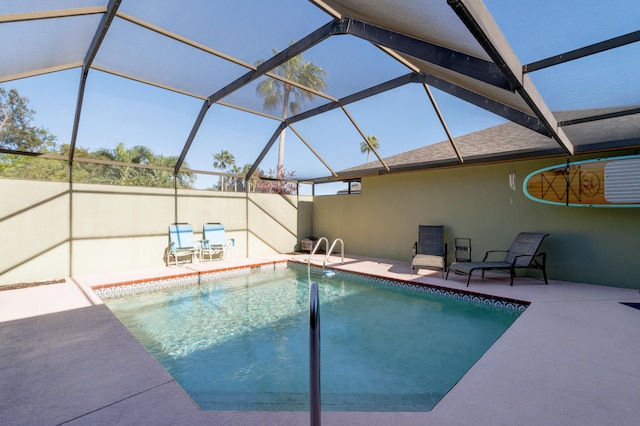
214,242
430,251
181,243
521,255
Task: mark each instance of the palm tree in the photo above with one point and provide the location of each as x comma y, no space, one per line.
254,179
235,170
223,160
289,98
164,178
366,147
122,175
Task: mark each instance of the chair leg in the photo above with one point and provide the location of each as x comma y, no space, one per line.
468,279
512,273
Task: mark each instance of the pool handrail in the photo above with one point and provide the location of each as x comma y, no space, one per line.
331,251
314,355
326,247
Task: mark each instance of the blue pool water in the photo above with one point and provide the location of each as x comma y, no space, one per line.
242,343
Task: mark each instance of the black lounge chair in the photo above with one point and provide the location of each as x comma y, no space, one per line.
430,251
521,255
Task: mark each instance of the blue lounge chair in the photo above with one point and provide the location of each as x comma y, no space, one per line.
521,255
430,251
214,243
181,243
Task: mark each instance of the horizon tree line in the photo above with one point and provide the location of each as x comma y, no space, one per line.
17,133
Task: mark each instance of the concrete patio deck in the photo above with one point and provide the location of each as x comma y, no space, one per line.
570,358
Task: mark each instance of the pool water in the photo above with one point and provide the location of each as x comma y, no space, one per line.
242,343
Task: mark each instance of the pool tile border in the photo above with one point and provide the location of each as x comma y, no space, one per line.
133,287
144,285
477,299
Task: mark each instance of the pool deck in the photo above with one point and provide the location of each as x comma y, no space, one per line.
570,358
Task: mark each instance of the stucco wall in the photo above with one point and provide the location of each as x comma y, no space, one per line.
34,230
52,230
589,245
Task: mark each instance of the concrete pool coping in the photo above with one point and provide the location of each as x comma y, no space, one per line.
571,358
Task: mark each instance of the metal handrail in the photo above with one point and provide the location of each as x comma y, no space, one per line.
326,247
331,251
314,355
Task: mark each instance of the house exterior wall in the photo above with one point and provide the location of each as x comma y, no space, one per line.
52,230
587,245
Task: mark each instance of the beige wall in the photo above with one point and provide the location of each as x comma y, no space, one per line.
51,230
34,230
590,245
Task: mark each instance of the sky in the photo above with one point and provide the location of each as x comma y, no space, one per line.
118,110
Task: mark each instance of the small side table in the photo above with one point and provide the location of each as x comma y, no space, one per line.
463,249
307,244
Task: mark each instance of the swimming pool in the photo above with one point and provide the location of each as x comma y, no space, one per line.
241,343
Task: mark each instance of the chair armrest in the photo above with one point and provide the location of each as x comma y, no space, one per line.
486,255
517,257
544,259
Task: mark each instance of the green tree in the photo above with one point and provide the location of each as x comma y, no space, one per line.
248,185
16,131
366,147
136,176
122,175
164,178
82,172
285,96
236,170
223,160
35,168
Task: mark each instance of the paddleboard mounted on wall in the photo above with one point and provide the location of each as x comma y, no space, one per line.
604,182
